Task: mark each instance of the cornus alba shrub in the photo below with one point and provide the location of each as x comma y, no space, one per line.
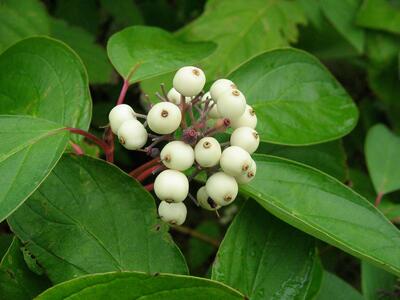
188,119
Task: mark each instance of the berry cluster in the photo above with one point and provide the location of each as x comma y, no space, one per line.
192,144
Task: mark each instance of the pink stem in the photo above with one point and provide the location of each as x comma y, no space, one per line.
78,150
378,199
149,187
136,172
150,171
102,144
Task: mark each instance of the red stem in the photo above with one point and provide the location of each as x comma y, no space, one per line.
102,144
150,171
149,187
126,84
378,199
78,150
136,172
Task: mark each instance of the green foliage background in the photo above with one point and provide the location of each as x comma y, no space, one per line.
319,221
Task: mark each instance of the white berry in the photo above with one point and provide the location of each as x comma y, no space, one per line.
175,97
249,175
231,104
132,134
222,188
213,113
205,201
172,213
171,186
235,161
248,119
164,117
177,155
189,81
246,138
207,152
219,87
119,114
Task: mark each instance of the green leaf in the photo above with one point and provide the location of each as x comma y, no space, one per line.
297,100
375,281
20,19
89,204
17,282
342,14
29,150
333,287
328,157
382,149
265,258
135,285
325,208
243,29
125,13
93,56
154,50
42,77
380,14
5,242
200,252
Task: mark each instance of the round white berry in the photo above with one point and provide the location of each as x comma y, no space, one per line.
172,213
189,81
177,155
246,138
132,134
249,175
248,119
164,117
171,186
231,104
235,161
175,97
222,188
219,87
207,152
205,201
119,114
213,113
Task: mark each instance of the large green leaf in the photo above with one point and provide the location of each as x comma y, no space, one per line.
89,217
243,29
17,282
375,282
333,287
328,157
93,56
380,14
155,51
297,100
325,208
265,258
29,149
20,19
382,149
42,77
135,285
342,14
